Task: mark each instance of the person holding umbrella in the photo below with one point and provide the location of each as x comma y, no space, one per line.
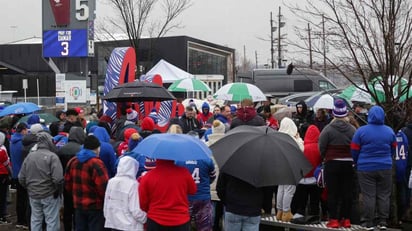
165,198
164,190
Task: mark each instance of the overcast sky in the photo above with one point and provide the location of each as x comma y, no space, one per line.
232,23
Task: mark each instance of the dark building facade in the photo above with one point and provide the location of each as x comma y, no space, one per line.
24,61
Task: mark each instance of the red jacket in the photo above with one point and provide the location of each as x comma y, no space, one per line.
4,161
311,149
164,192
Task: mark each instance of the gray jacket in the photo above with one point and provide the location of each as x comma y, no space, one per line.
41,172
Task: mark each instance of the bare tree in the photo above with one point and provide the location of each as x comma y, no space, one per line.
366,38
136,18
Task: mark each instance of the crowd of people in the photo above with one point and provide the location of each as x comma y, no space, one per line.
82,171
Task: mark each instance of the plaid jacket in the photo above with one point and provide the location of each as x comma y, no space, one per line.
87,181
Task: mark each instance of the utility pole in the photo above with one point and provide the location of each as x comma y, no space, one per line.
279,39
272,50
256,59
244,58
310,47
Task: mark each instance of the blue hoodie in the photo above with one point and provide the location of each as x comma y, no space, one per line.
107,153
15,153
85,154
374,144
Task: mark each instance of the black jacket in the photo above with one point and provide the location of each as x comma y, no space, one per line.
239,197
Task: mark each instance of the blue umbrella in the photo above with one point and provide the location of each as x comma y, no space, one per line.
178,147
19,108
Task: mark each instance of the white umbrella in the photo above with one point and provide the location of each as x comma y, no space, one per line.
239,91
324,102
189,85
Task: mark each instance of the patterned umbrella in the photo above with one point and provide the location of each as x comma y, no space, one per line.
189,85
238,91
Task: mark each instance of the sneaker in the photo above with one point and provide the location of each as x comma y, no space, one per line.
4,220
382,226
333,223
367,227
345,223
21,226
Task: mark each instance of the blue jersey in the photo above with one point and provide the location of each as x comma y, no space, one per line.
203,173
401,157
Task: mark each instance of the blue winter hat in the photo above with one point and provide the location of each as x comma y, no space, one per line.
233,110
205,105
339,109
33,119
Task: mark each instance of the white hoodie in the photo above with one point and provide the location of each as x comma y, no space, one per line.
121,203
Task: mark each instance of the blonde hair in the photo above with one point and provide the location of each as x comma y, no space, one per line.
175,129
216,123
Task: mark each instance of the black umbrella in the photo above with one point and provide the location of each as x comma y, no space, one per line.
138,91
260,156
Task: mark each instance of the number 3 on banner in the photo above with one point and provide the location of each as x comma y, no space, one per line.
82,10
196,175
65,50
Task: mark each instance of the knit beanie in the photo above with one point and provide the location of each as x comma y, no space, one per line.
36,128
133,141
153,114
131,115
128,133
339,109
33,119
91,142
147,124
218,127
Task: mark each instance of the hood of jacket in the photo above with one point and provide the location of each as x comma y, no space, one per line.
29,139
304,108
45,141
16,137
340,124
288,126
205,105
376,115
246,113
128,166
101,134
76,134
85,154
312,135
222,118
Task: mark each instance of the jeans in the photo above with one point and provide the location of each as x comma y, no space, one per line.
47,208
376,189
284,197
234,222
89,220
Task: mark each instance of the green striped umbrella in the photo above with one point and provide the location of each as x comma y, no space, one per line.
353,93
238,91
189,85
